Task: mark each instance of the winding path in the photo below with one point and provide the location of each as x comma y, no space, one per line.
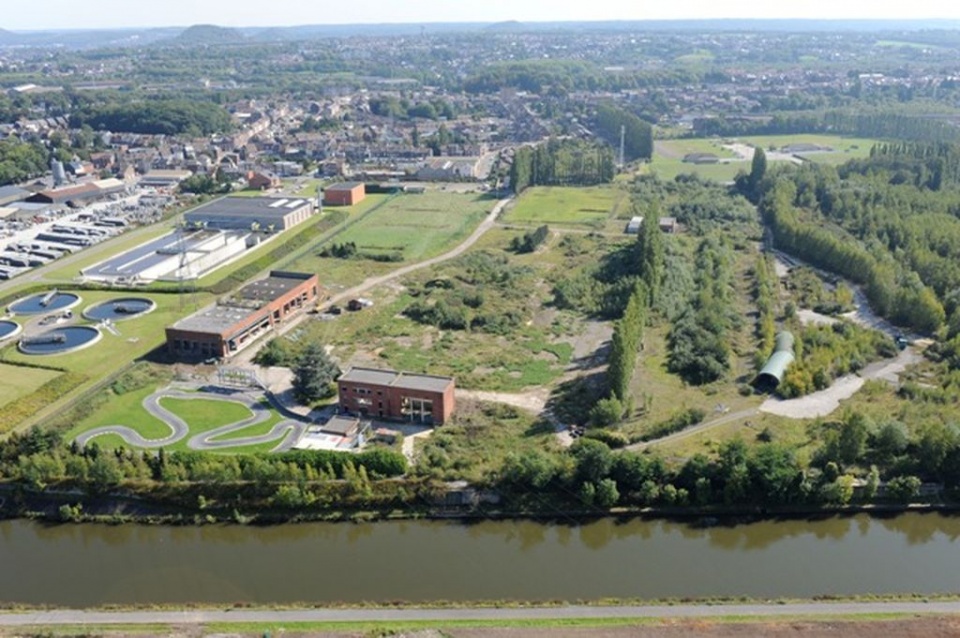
287,431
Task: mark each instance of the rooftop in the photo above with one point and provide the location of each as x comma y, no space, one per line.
253,207
343,186
341,425
214,319
405,380
272,287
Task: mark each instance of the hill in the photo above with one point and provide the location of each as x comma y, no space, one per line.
208,34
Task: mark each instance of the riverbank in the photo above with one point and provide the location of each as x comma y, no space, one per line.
49,506
813,619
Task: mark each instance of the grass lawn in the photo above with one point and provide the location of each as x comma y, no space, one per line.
667,169
566,206
19,381
203,415
676,149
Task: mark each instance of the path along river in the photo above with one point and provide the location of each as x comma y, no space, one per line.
82,565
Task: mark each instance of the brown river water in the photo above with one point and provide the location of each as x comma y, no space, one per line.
83,565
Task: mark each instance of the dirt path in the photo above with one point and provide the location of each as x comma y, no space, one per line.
246,357
373,282
697,429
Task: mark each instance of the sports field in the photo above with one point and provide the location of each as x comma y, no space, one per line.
567,206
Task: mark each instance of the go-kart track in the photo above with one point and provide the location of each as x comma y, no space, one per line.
286,432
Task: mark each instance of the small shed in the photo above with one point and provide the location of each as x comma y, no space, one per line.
633,226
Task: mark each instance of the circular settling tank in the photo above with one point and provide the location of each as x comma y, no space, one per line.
120,309
44,302
8,329
60,340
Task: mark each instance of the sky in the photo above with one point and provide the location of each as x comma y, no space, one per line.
71,14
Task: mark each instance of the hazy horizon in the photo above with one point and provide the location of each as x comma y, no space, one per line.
43,15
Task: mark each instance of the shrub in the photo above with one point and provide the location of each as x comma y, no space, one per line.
614,440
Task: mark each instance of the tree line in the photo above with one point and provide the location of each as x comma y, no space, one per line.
638,135
156,117
562,163
877,125
891,290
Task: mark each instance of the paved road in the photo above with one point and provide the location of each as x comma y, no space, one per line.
78,617
287,431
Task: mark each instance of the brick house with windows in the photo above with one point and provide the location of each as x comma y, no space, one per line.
402,396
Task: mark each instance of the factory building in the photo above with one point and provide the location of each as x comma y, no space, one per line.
266,214
230,325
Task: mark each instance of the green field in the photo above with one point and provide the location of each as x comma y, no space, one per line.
844,148
18,381
567,206
668,169
418,226
668,156
415,227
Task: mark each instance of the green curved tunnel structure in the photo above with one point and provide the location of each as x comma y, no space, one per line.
773,370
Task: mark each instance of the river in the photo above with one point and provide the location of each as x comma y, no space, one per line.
84,565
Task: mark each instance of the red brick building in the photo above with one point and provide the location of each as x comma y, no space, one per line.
404,396
233,323
344,194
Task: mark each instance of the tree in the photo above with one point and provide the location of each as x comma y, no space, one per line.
606,412
607,494
594,460
650,251
758,169
313,374
904,488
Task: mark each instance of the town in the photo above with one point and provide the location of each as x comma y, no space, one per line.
557,270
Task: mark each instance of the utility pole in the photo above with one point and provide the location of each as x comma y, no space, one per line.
623,136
